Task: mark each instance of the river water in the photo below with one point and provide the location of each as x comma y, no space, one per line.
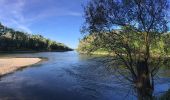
67,76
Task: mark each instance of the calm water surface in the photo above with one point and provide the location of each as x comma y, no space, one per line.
67,76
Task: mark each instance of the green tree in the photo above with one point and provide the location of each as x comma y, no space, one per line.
2,29
141,23
11,40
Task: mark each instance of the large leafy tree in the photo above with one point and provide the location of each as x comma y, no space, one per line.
141,23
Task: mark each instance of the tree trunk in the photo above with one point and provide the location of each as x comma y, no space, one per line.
144,86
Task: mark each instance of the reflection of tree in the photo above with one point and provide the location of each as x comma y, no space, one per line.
141,23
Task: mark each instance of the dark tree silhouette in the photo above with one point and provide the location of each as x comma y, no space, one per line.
141,23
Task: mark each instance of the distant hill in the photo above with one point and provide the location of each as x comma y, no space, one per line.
12,40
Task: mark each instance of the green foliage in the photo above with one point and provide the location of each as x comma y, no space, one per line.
139,43
86,44
11,40
159,46
166,39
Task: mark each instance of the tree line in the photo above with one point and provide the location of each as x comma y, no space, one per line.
12,40
87,44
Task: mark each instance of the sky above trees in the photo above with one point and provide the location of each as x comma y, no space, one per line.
58,20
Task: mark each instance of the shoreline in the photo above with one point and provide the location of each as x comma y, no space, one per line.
10,65
35,51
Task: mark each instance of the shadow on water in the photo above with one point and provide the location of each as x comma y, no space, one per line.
65,76
96,80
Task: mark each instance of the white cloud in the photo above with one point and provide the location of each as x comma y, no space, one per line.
12,13
74,14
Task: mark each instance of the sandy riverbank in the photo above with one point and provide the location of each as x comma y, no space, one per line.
9,65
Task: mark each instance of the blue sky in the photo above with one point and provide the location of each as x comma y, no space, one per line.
59,20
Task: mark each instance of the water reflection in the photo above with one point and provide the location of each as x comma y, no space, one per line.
66,76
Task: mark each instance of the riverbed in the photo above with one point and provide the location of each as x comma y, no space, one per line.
68,76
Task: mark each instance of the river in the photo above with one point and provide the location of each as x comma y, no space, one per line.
67,76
